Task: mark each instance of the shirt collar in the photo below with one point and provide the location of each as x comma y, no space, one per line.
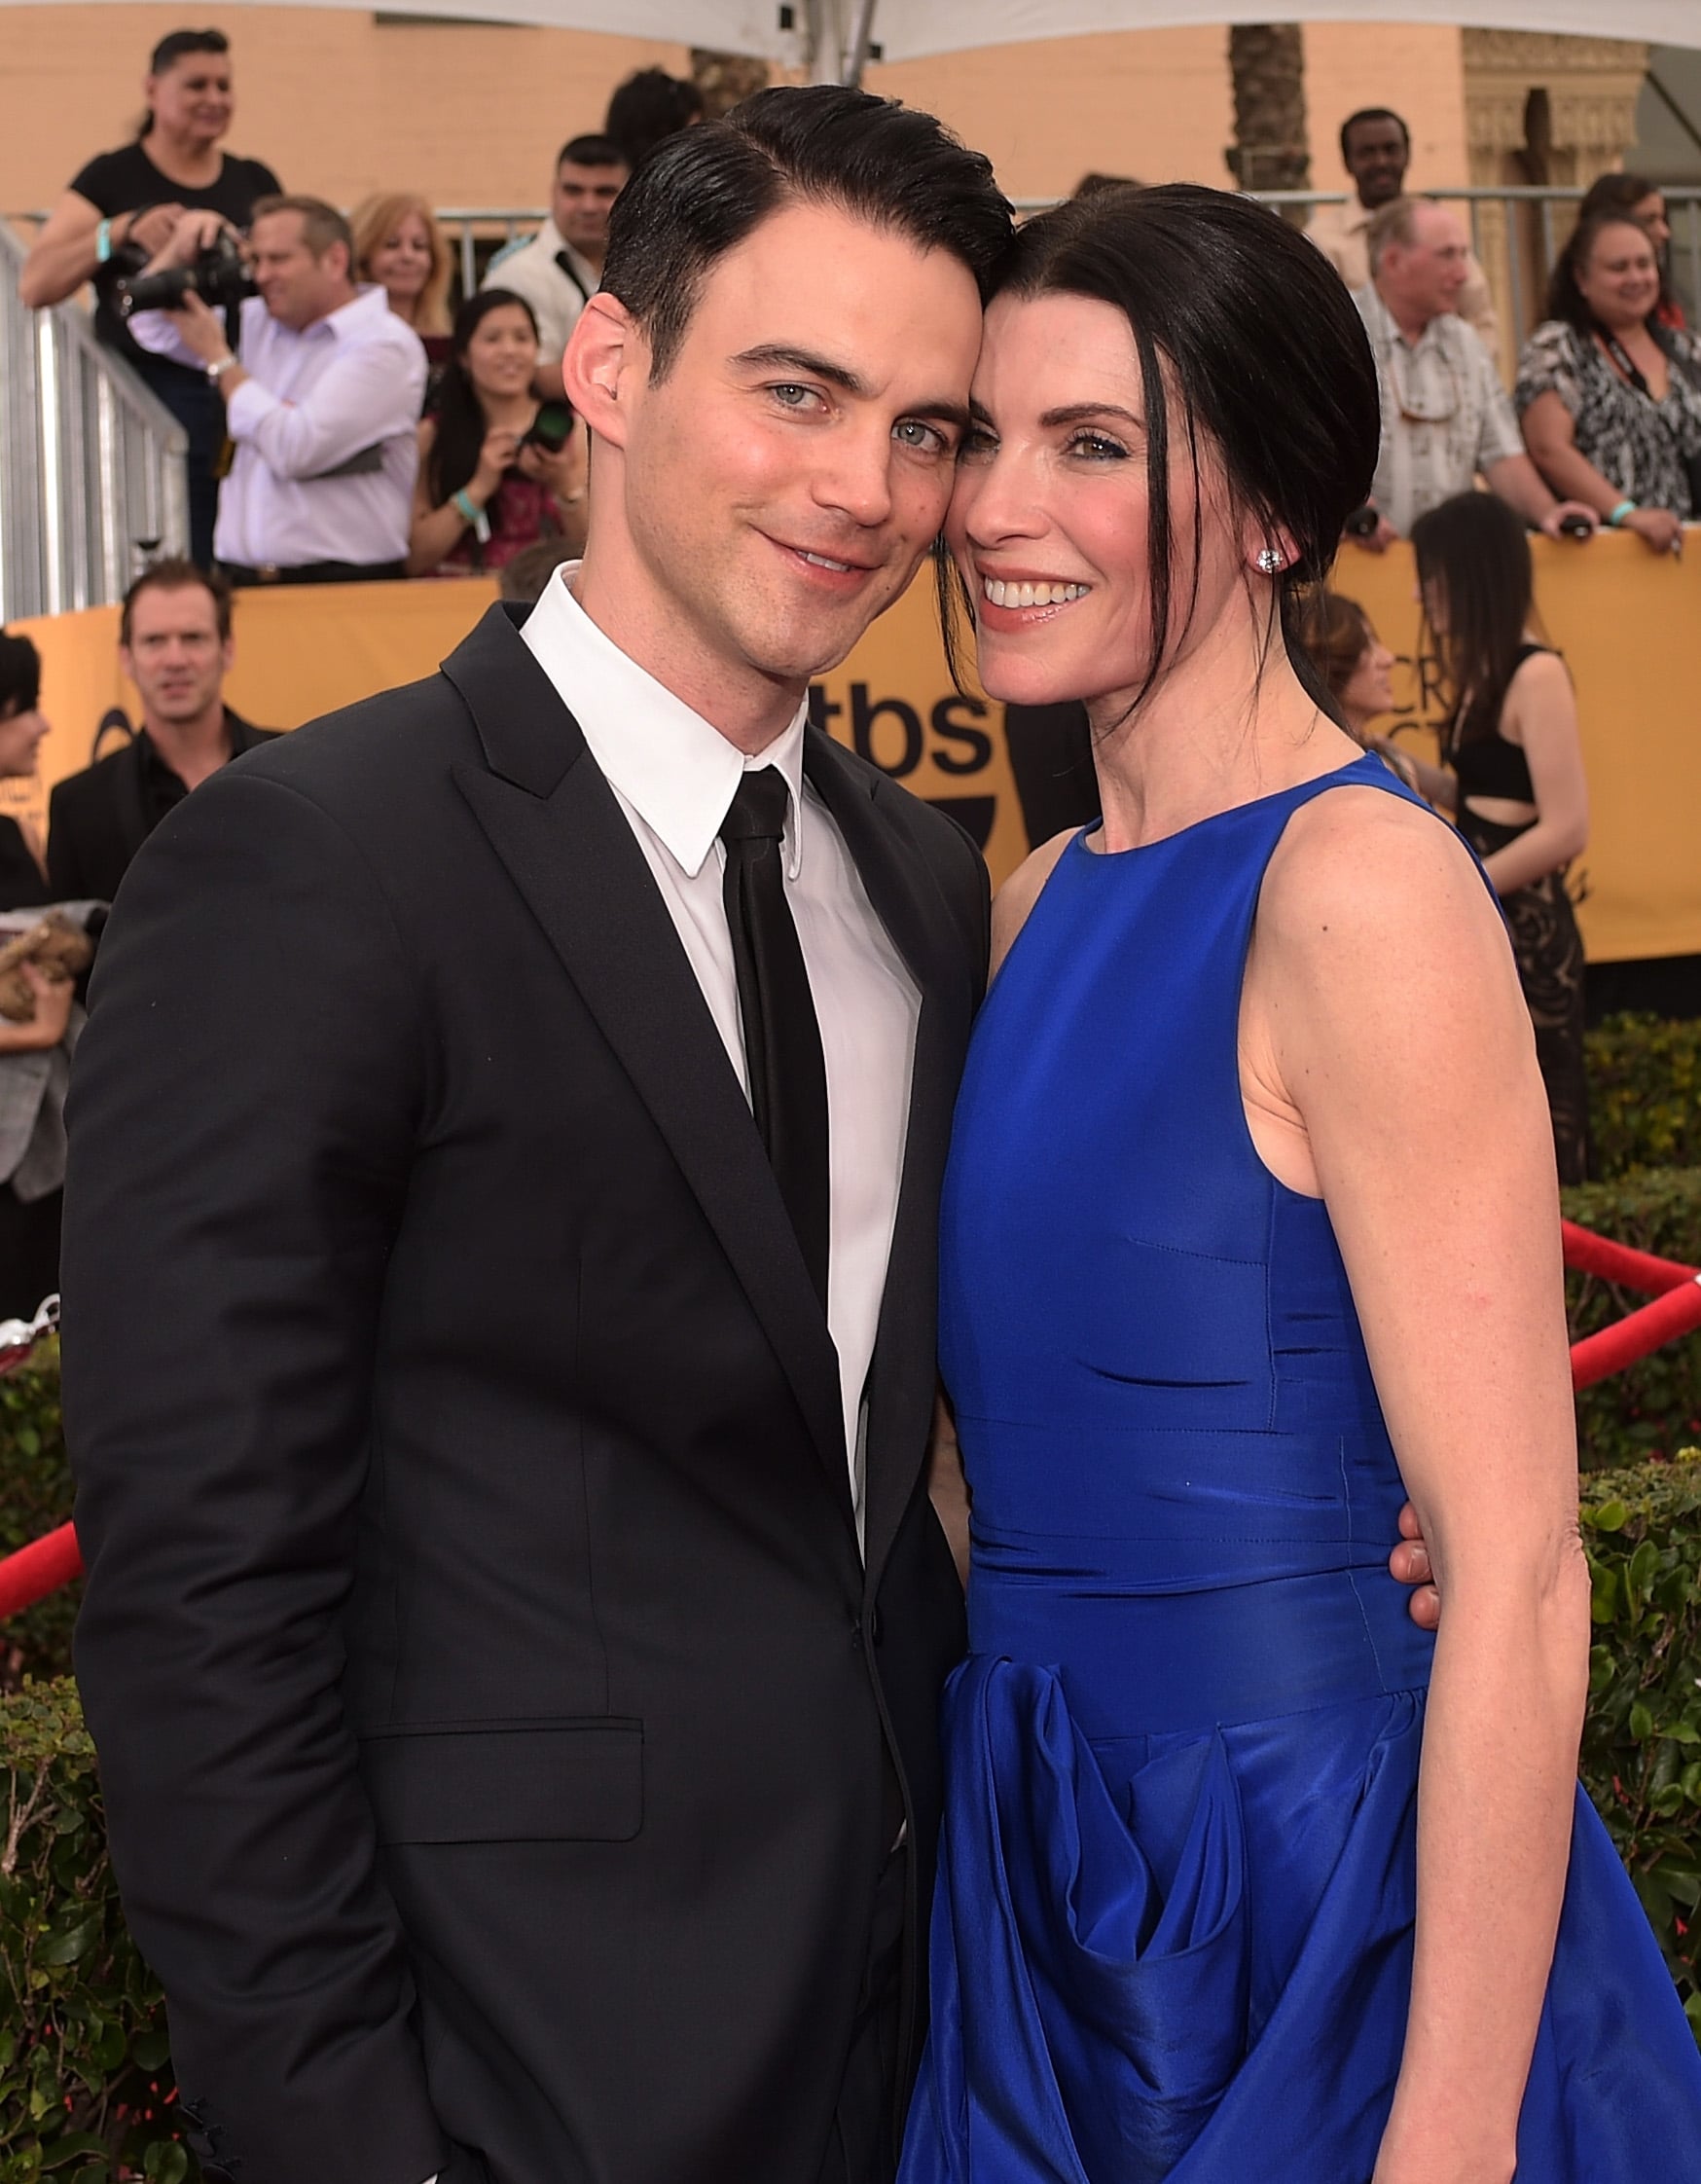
583,267
369,302
677,771
1385,326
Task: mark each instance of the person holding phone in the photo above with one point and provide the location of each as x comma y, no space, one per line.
498,470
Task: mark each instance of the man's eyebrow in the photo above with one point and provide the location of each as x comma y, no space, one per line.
778,357
1081,413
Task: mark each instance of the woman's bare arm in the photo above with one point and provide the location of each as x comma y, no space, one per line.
1383,986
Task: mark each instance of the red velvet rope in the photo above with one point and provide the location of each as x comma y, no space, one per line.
46,1564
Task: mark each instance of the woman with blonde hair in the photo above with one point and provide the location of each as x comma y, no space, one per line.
399,246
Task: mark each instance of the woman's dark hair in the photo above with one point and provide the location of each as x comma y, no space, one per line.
1474,552
172,48
20,675
649,107
459,415
1564,297
703,192
1245,336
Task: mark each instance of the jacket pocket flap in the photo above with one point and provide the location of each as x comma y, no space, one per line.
534,1782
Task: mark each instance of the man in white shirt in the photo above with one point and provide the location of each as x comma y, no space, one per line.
322,395
558,269
1445,416
1376,150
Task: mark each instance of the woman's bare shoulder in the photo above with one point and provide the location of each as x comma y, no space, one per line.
1022,891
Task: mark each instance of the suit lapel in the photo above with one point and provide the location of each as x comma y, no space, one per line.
906,899
553,822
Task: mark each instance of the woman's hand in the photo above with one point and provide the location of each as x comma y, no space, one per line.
191,234
153,229
1658,529
563,471
51,1019
495,456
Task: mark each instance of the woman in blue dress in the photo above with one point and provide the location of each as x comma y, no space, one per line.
1251,1229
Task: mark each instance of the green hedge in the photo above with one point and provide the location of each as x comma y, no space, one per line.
1653,1408
36,1495
1642,1746
1644,1094
86,2087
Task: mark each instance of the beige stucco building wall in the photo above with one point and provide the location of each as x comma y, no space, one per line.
341,103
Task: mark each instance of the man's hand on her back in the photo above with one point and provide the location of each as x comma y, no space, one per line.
1410,1564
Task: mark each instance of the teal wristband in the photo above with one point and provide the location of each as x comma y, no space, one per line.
103,243
466,507
1623,509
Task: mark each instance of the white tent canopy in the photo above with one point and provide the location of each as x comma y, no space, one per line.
820,34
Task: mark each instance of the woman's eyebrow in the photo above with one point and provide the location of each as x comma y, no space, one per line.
1079,412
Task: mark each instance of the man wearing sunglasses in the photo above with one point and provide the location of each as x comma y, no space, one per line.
1445,417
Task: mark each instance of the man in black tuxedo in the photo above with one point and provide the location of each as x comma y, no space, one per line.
175,644
499,1281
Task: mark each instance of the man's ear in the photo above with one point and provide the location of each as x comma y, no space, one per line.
607,362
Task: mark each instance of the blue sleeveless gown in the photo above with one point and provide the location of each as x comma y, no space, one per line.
1172,1933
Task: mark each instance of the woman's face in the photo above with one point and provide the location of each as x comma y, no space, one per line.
1369,689
1620,277
1048,522
21,739
501,353
1649,214
192,97
401,263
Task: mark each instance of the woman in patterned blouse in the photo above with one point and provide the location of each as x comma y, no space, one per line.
1609,399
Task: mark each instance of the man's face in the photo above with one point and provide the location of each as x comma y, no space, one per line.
297,288
175,656
583,198
1423,278
780,485
1377,158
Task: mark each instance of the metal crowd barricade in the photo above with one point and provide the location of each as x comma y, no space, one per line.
93,468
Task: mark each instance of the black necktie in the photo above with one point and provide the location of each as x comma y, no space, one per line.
782,1040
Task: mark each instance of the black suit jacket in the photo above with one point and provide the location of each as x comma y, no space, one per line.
97,820
491,1698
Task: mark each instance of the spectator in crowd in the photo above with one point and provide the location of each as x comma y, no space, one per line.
1611,399
524,578
1445,416
32,1091
558,269
1646,203
175,646
1357,669
649,107
1376,149
124,206
23,868
322,394
399,247
488,484
1513,775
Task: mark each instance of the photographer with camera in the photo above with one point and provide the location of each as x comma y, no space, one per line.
498,470
320,394
122,206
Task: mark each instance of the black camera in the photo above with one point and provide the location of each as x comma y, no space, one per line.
1361,523
550,429
218,276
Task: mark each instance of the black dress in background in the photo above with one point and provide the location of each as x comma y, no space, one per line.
29,1233
1545,941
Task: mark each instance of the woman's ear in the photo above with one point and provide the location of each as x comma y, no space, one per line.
607,361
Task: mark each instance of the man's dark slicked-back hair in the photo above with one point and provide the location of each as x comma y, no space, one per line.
703,192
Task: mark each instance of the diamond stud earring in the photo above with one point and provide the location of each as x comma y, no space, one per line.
1269,561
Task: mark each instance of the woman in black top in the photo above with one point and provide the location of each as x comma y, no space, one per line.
122,206
1513,776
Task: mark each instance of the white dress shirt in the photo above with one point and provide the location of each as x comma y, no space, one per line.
533,269
674,776
352,381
